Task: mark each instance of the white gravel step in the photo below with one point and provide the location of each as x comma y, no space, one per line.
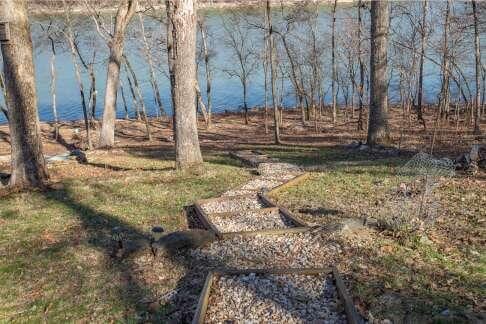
232,205
270,298
251,220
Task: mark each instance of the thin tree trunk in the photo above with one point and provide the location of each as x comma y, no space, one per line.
153,80
181,48
201,104
245,104
361,70
265,72
138,93
334,66
53,88
477,46
444,93
124,99
27,163
273,72
70,37
423,34
134,98
378,132
207,68
125,13
4,93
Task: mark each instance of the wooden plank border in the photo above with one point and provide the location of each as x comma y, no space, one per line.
351,313
283,210
300,226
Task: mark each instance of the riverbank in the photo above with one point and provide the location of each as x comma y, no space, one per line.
229,132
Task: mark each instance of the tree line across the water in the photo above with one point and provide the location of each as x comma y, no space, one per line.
285,55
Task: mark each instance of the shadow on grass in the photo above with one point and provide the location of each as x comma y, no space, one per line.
134,291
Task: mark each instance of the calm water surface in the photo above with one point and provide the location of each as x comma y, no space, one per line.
227,91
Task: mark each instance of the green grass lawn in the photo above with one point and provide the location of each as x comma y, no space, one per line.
54,245
400,276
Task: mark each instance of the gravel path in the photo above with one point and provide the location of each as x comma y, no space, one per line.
268,298
296,250
232,205
252,220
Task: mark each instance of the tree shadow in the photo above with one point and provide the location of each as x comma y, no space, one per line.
98,226
134,291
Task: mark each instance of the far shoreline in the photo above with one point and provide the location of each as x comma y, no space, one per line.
37,10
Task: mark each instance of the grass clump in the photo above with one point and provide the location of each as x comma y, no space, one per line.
55,262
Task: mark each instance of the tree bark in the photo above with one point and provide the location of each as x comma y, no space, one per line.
273,71
72,46
361,70
423,34
53,87
27,163
138,94
153,80
126,10
378,132
477,47
181,48
334,66
207,69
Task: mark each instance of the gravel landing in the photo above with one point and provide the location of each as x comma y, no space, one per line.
239,192
232,205
296,250
252,220
268,169
267,298
260,184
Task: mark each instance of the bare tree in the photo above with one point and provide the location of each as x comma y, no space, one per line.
238,39
3,108
28,164
72,46
148,55
423,35
273,70
181,48
477,55
334,65
207,68
115,42
378,132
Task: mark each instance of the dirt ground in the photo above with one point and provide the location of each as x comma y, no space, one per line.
229,131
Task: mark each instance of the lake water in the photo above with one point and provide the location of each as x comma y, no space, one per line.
227,91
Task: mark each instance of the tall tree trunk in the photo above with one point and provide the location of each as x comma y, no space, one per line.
126,10
423,34
181,48
53,87
378,132
28,164
153,80
4,93
477,47
138,94
361,69
124,99
273,72
207,69
444,92
72,46
334,66
244,84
